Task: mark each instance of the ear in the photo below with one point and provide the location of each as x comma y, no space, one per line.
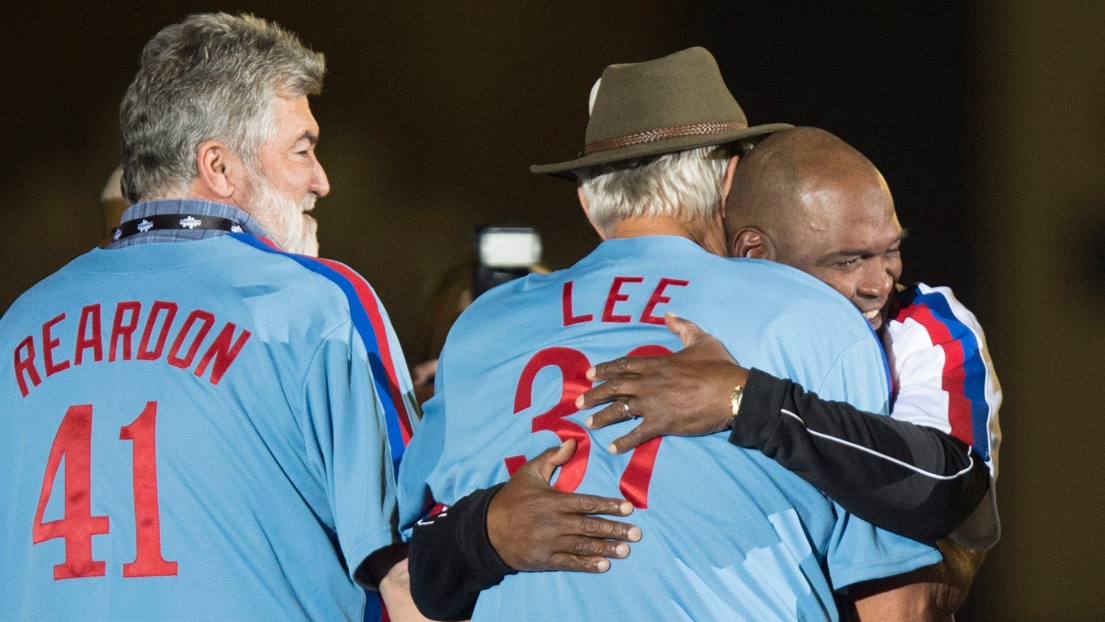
752,243
727,181
221,176
587,211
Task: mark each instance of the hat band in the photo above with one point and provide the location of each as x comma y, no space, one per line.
678,131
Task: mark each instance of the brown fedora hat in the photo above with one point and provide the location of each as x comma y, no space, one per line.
670,104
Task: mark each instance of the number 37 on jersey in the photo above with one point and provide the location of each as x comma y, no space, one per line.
573,366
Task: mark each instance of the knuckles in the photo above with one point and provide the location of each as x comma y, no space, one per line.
604,529
588,505
617,366
612,387
581,546
564,561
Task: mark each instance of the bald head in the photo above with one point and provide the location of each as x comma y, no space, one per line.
805,198
770,185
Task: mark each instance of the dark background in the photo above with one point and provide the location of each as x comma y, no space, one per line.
985,119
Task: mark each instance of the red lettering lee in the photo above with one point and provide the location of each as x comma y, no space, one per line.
620,297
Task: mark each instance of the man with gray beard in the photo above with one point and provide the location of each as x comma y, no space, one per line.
230,411
294,230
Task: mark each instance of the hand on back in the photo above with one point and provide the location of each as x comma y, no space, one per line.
682,394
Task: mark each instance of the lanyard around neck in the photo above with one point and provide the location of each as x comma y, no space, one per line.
187,222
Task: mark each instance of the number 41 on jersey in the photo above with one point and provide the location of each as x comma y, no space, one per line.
73,442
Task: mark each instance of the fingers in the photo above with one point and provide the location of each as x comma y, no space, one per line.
589,544
546,462
613,413
592,547
575,563
589,554
606,532
584,554
612,389
637,436
687,331
617,367
590,504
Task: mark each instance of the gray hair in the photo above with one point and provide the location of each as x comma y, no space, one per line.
685,185
210,77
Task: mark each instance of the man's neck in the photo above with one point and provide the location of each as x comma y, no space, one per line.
707,235
202,192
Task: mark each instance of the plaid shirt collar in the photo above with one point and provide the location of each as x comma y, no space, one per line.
187,207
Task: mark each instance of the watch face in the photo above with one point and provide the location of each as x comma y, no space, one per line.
735,399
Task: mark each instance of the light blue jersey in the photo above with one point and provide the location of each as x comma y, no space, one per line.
728,533
202,430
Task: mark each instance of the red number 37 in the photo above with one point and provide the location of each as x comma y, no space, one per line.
573,366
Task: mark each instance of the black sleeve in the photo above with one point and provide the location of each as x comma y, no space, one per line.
452,560
912,480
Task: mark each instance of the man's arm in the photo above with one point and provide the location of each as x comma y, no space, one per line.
929,594
912,480
357,413
522,525
452,560
386,571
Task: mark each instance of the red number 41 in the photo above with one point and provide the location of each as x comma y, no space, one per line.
73,442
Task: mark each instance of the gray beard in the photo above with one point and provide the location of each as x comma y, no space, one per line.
283,219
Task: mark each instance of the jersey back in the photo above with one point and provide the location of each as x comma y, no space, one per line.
199,430
728,534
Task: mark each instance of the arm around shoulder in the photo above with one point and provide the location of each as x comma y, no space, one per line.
908,479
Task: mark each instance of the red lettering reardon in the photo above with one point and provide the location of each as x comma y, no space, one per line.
90,317
208,320
121,330
48,345
222,352
25,365
87,342
170,308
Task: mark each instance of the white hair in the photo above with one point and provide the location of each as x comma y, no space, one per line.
285,220
210,77
685,185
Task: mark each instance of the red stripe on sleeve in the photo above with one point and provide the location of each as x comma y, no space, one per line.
954,377
371,306
372,310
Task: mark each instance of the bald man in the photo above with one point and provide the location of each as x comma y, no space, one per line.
805,198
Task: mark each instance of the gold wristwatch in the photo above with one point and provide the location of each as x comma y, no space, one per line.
735,398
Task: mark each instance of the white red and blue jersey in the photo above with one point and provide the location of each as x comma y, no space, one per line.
203,430
728,533
943,378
